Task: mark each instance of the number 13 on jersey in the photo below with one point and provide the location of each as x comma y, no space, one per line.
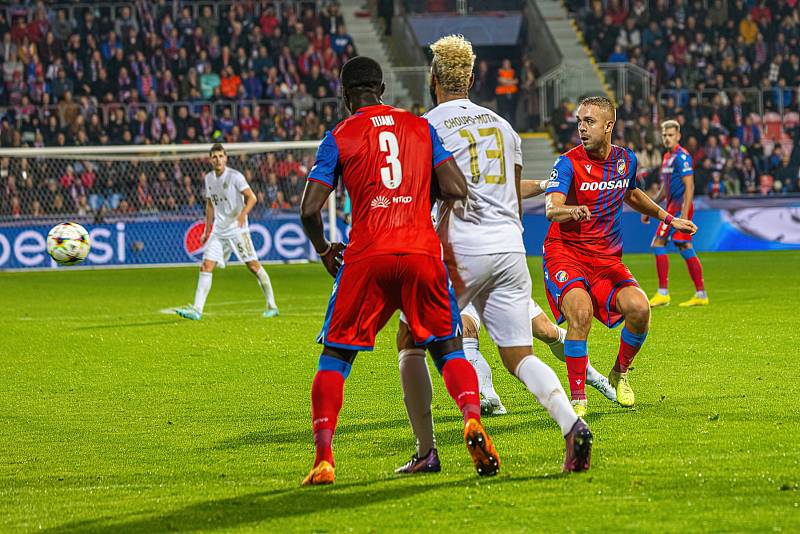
491,154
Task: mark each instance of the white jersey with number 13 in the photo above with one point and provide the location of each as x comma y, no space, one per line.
486,149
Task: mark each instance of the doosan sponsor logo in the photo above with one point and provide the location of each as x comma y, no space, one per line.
603,186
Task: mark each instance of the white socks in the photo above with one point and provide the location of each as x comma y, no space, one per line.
266,288
542,381
663,291
482,369
201,294
557,346
417,396
592,375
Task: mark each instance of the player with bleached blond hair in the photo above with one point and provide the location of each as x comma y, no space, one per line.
485,255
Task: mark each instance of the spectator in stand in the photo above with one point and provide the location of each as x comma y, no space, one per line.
716,188
341,40
506,92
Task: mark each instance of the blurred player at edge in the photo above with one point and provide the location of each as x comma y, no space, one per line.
677,186
583,270
228,201
386,157
485,255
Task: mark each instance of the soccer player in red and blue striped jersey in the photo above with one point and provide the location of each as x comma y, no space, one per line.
677,186
386,158
583,270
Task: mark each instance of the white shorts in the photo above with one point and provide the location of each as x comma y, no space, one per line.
534,311
499,288
219,248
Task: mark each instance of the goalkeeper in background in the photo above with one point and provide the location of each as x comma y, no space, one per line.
228,201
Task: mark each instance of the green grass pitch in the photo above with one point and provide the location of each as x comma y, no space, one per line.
116,417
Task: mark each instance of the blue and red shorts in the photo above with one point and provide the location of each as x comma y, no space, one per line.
602,276
664,232
368,292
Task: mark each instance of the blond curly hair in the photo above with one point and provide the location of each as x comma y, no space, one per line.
452,63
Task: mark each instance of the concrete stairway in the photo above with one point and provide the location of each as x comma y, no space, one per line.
538,156
582,74
366,35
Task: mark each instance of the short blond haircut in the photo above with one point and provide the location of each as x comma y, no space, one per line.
453,61
671,124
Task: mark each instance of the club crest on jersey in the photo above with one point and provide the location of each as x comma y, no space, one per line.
380,202
562,276
621,167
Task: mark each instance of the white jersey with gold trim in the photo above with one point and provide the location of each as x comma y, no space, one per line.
486,149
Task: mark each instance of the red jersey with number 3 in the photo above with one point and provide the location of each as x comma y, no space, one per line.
385,157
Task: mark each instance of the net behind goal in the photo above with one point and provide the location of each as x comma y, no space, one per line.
144,205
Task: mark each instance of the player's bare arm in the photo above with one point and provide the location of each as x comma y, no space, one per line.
209,221
518,185
557,211
451,181
688,193
660,196
638,200
249,204
532,188
314,197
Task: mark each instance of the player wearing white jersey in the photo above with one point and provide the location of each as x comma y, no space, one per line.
486,260
228,201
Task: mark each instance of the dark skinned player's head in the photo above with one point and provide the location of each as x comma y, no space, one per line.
362,80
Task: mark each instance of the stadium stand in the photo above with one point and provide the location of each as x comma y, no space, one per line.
729,72
150,72
158,72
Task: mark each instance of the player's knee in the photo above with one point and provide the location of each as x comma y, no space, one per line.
638,315
442,348
207,266
254,266
470,327
344,355
403,339
580,318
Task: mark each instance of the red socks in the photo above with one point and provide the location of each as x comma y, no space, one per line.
629,345
696,272
462,384
576,356
327,394
662,267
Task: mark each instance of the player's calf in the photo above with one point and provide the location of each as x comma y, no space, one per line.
327,396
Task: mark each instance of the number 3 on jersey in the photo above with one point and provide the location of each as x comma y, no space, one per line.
392,175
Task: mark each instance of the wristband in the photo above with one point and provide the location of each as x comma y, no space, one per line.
668,219
327,250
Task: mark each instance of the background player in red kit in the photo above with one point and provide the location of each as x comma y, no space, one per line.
386,157
677,186
583,268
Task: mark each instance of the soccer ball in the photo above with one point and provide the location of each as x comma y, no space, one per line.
68,243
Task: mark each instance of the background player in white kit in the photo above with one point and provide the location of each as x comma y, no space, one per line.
486,261
228,201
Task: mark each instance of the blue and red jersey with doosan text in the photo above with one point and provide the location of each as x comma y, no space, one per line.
385,157
601,186
674,166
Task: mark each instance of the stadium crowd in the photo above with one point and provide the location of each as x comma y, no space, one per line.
145,72
729,72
